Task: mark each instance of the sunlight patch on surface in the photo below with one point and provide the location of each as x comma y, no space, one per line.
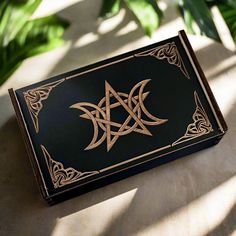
233,234
224,64
86,39
169,29
199,42
163,33
131,26
48,7
31,71
109,24
94,220
35,69
224,86
162,5
222,29
201,216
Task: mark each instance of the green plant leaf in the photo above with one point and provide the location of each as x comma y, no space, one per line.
202,16
14,14
188,19
46,31
230,3
36,36
228,12
147,12
110,8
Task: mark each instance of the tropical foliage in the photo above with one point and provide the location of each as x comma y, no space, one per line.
22,37
194,12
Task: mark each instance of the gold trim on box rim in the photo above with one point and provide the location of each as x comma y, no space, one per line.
114,62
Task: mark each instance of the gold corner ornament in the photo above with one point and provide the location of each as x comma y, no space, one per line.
34,98
100,116
201,124
62,176
167,51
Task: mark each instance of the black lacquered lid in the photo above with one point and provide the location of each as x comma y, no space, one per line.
101,119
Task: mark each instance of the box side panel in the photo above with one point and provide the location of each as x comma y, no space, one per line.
133,170
191,53
27,142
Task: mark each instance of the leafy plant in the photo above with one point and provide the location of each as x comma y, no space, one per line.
199,13
22,37
146,12
228,11
149,15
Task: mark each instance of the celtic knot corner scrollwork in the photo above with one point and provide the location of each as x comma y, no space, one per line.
167,51
34,98
200,126
63,176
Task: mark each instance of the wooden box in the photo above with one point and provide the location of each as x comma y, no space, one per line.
98,124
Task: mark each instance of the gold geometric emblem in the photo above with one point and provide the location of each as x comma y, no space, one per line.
133,104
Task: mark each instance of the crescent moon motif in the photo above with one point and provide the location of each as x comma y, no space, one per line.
100,115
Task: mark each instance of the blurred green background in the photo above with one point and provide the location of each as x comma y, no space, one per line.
22,36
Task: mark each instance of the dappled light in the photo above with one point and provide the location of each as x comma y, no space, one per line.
200,216
103,214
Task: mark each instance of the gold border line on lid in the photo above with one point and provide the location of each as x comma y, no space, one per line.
167,51
137,164
34,97
200,126
60,176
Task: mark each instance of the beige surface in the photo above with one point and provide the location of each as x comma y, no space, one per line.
195,195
